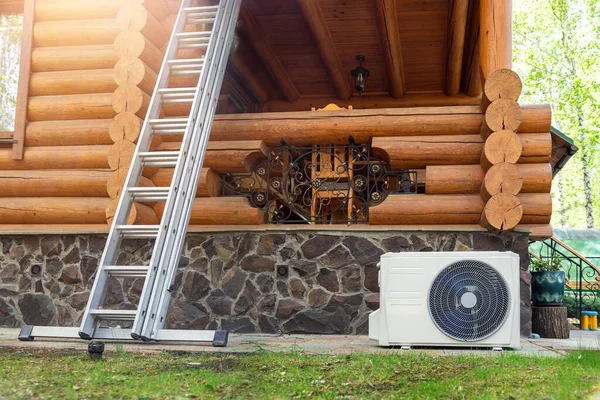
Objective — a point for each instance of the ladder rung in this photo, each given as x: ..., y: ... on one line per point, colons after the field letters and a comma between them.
x: 198, y: 9
x: 177, y: 95
x: 138, y: 231
x: 201, y: 15
x: 159, y: 158
x: 190, y: 66
x: 149, y: 194
x: 193, y: 40
x: 169, y: 126
x: 121, y: 271
x: 114, y: 315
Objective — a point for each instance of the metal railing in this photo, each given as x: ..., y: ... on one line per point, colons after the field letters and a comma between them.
x: 582, y: 276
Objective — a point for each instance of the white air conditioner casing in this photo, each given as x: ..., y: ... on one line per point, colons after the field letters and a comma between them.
x: 405, y: 317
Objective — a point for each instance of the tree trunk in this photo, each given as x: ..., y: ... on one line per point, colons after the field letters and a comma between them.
x: 550, y: 322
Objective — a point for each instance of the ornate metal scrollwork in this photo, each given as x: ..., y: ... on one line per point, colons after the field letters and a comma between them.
x: 319, y: 184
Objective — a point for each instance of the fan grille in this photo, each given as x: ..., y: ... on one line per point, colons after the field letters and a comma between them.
x: 469, y: 300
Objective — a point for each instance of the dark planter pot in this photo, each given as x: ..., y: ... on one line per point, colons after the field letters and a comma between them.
x: 547, y: 288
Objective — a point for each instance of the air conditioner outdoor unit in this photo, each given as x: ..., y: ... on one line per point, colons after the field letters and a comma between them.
x: 468, y: 299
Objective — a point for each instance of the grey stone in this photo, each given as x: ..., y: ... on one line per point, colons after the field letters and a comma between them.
x: 371, y: 281
x: 54, y: 266
x: 297, y: 288
x: 64, y: 317
x: 73, y: 256
x: 238, y: 325
x: 10, y: 273
x: 396, y: 243
x: 267, y: 303
x: 233, y: 282
x: 247, y: 245
x: 256, y: 263
x: 419, y: 244
x: 265, y: 283
x: 268, y: 324
x: 318, y: 321
x: 287, y: 307
x: 318, y: 297
x: 216, y: 271
x: 114, y: 293
x: 484, y: 241
x: 363, y: 250
x: 195, y: 286
x: 282, y: 288
x: 88, y: 267
x: 51, y: 246
x: 184, y: 315
x: 287, y: 253
x: 219, y: 303
x: 7, y: 315
x: 372, y: 301
x: 349, y: 303
x: 70, y: 275
x: 328, y: 279
x: 304, y: 267
x: 338, y: 257
x: 266, y: 246
x: 318, y: 245
x: 37, y: 309
x: 350, y: 279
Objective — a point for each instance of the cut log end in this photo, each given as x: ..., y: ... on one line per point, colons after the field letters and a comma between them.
x: 502, y: 146
x: 120, y: 155
x: 502, y: 213
x: 503, y: 84
x: 125, y: 126
x: 502, y: 114
x: 501, y: 178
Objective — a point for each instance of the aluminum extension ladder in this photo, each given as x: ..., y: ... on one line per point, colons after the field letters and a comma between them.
x: 149, y: 317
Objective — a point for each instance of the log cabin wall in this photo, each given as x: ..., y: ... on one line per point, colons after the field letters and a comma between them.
x: 94, y: 65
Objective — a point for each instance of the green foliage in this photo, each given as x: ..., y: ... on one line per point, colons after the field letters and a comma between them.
x: 268, y: 375
x: 10, y: 47
x: 555, y: 264
x: 557, y: 53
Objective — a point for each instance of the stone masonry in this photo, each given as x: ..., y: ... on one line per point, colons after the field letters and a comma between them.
x: 271, y: 282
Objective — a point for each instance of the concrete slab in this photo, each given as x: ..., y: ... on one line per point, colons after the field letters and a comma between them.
x: 309, y: 344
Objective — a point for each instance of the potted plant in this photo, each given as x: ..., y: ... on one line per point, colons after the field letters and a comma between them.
x: 547, y: 281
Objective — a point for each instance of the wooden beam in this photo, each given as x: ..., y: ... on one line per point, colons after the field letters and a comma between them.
x: 313, y: 14
x: 495, y: 44
x: 456, y: 43
x: 471, y: 71
x: 387, y: 22
x: 23, y: 88
x: 264, y: 50
x: 11, y: 6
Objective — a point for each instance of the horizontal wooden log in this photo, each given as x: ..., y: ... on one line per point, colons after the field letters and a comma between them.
x: 334, y: 127
x: 133, y: 71
x: 424, y: 209
x: 139, y: 214
x: 209, y: 184
x: 501, y: 213
x: 73, y: 58
x: 136, y: 16
x: 68, y: 133
x: 54, y: 183
x: 131, y: 99
x: 71, y: 107
x: 75, y: 33
x: 222, y: 211
x: 125, y: 126
x: 52, y: 10
x: 53, y: 210
x: 57, y: 157
x: 420, y: 151
x: 158, y: 8
x: 467, y: 179
x: 233, y: 156
x: 132, y: 43
x: 116, y: 181
x: 72, y: 82
x: 538, y: 231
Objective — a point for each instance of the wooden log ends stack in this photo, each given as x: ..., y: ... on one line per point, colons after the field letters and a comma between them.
x: 502, y: 149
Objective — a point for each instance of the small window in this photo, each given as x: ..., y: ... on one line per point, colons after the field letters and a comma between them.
x: 11, y: 28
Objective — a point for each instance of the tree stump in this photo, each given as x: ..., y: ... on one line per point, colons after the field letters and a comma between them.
x: 550, y: 322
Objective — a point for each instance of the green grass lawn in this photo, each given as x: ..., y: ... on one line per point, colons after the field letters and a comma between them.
x: 48, y: 374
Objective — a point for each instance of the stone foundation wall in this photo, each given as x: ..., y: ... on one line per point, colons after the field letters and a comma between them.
x: 301, y: 282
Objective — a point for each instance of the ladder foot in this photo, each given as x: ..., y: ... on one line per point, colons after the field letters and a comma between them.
x: 25, y: 334
x: 85, y: 336
x: 220, y: 339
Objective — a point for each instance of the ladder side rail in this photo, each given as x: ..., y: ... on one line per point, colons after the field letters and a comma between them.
x: 171, y: 213
x: 125, y: 202
x: 164, y: 295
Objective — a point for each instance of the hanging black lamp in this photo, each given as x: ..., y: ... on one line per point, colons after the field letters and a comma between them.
x: 360, y: 75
